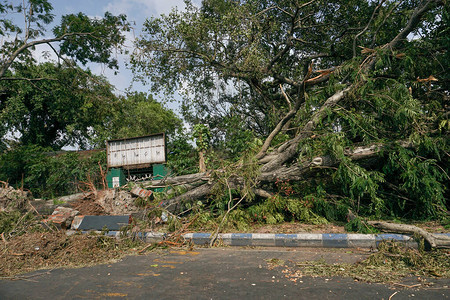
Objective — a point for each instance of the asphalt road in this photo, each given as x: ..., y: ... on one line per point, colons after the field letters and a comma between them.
x: 219, y: 273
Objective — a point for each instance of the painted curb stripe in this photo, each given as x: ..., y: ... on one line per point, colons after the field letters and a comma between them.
x: 327, y: 240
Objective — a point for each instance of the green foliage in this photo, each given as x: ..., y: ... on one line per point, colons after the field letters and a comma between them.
x: 357, y: 182
x: 17, y: 223
x: 8, y: 220
x: 73, y: 107
x: 92, y: 39
x: 173, y: 223
x: 331, y: 210
x: 182, y: 159
x: 421, y: 183
x: 279, y: 209
x: 63, y: 108
x: 236, y: 140
x: 137, y: 114
x: 80, y: 37
x: 358, y: 225
x: 202, y: 136
x: 242, y: 67
x: 50, y: 176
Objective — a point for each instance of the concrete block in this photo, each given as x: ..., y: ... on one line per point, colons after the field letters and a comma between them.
x: 241, y: 239
x: 201, y: 238
x: 286, y: 240
x: 404, y: 239
x: 226, y: 238
x: 154, y: 237
x: 263, y: 239
x: 361, y: 240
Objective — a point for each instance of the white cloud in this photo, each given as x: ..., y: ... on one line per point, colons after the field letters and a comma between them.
x: 141, y: 9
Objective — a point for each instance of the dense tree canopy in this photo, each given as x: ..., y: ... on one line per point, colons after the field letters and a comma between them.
x: 349, y: 98
x: 57, y: 104
x: 138, y: 114
x: 79, y: 37
x: 62, y: 106
x: 54, y: 105
x: 48, y: 106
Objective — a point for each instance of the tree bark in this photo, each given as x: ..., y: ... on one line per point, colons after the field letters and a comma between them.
x: 307, y: 130
x: 295, y: 172
x: 201, y: 161
x: 434, y: 240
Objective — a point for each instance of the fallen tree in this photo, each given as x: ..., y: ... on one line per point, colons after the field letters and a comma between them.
x: 319, y: 106
x: 435, y: 241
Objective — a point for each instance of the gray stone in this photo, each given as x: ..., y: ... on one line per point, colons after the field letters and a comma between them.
x: 101, y: 222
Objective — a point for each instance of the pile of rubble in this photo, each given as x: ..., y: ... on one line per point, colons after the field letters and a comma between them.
x: 108, y: 208
x: 113, y: 205
x: 11, y: 198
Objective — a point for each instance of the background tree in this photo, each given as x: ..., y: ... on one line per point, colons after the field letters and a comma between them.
x: 138, y: 114
x: 341, y: 92
x: 53, y: 105
x: 79, y: 37
x: 59, y: 106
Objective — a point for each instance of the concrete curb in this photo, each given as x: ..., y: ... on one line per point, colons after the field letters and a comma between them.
x: 315, y: 240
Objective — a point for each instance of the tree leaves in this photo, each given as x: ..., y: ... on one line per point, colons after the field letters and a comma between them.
x: 82, y: 38
x: 254, y: 61
x: 92, y: 40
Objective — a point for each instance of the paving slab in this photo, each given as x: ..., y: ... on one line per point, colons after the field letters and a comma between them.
x: 112, y: 223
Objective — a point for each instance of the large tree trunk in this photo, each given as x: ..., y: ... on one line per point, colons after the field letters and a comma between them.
x: 281, y: 163
x: 199, y: 185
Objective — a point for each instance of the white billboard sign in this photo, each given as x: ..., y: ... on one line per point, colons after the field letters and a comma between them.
x: 138, y: 152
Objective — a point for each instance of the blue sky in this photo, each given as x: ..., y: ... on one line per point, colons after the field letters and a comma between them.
x: 137, y: 12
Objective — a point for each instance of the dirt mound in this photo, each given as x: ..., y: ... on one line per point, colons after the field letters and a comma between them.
x: 88, y: 206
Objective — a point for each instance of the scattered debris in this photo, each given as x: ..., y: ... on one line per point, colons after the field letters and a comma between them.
x: 117, y: 202
x: 76, y: 222
x: 140, y: 192
x: 47, y: 250
x: 88, y: 206
x: 390, y: 264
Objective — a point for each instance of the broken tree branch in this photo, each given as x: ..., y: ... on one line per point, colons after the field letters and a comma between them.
x: 216, y: 233
x: 291, y: 150
x: 292, y: 112
x: 434, y: 240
